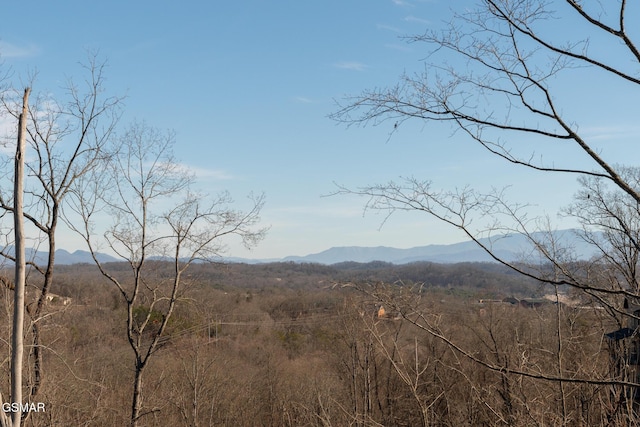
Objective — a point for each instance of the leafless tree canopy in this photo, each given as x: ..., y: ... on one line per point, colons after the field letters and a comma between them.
x: 153, y: 216
x: 495, y: 73
x: 124, y: 193
x: 500, y: 74
x: 64, y: 140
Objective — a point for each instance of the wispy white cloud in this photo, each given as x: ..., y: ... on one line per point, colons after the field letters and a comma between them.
x: 9, y: 124
x: 204, y: 173
x: 388, y: 28
x: 351, y: 65
x: 8, y: 129
x: 606, y: 133
x: 400, y: 47
x: 328, y: 211
x: 302, y: 100
x: 415, y: 19
x: 11, y: 50
x: 401, y: 3
x: 211, y: 174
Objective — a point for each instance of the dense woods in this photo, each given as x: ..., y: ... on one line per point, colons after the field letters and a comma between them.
x: 288, y: 344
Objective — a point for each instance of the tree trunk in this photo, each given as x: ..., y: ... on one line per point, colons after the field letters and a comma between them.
x: 136, y: 401
x: 17, y: 345
x: 42, y: 299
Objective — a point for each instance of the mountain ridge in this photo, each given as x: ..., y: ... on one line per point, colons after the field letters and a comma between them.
x: 511, y: 247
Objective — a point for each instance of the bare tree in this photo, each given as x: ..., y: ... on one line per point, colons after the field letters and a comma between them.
x: 64, y: 140
x: 154, y: 215
x: 17, y: 339
x: 410, y: 366
x: 503, y: 90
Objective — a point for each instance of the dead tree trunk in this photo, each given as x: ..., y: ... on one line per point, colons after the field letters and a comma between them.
x: 17, y: 346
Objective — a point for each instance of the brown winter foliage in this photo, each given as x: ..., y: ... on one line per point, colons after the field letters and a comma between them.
x: 302, y: 345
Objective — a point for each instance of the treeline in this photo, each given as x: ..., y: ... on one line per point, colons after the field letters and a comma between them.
x: 304, y: 345
x: 482, y: 278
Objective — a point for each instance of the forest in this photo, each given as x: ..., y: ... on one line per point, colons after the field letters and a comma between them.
x: 167, y: 336
x: 287, y: 344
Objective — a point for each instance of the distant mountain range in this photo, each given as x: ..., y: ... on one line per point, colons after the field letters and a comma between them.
x: 511, y: 247
x: 64, y: 257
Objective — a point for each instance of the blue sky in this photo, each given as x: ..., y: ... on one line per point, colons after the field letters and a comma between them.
x: 248, y: 85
